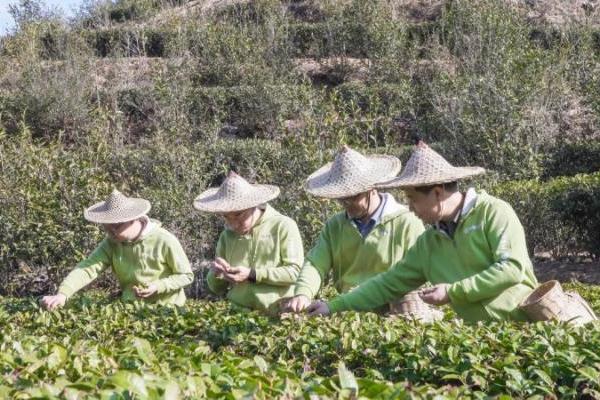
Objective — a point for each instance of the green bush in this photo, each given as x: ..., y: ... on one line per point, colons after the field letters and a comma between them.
x: 379, y: 99
x: 42, y: 189
x: 51, y: 102
x: 106, y: 13
x: 251, y: 111
x: 128, y: 42
x: 234, y: 54
x: 580, y: 206
x: 568, y: 159
x: 102, y: 349
x: 561, y: 216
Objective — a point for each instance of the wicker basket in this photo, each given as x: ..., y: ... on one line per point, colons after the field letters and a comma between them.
x: 411, y: 306
x: 549, y: 301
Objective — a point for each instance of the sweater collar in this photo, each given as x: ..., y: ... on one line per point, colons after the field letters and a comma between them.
x: 388, y: 209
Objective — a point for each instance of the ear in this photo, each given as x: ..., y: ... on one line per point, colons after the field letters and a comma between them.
x: 439, y: 192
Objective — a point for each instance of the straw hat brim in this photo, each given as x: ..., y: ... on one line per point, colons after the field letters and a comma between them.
x: 212, y: 201
x: 455, y: 174
x: 100, y: 214
x: 383, y: 168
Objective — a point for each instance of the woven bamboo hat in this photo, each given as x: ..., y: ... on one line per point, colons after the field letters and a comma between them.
x: 427, y: 167
x: 117, y: 208
x: 351, y: 173
x: 235, y: 194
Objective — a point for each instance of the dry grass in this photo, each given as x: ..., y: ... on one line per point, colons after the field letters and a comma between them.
x: 334, y: 69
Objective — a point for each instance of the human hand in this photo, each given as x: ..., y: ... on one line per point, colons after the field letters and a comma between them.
x: 237, y: 274
x: 145, y: 292
x: 296, y: 304
x: 54, y: 302
x: 219, y: 267
x: 436, y: 295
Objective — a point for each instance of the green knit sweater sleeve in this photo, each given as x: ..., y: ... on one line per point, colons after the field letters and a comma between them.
x: 181, y: 273
x: 87, y: 270
x: 216, y: 285
x: 506, y: 239
x: 316, y: 266
x: 401, y: 278
x: 291, y: 257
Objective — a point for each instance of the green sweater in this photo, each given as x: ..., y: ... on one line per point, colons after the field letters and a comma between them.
x: 273, y: 249
x: 155, y: 258
x: 352, y: 259
x: 486, y: 265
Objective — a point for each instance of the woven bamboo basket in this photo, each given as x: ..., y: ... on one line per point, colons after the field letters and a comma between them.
x: 549, y: 301
x: 411, y: 306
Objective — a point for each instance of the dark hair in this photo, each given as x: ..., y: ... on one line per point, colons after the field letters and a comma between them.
x: 451, y: 187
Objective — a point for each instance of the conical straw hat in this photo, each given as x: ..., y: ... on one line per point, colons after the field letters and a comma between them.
x: 351, y: 173
x: 235, y: 194
x: 427, y: 167
x: 116, y: 209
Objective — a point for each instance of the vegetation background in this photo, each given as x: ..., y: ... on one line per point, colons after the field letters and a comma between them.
x: 160, y: 98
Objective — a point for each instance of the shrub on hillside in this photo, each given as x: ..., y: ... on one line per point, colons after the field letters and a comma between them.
x: 560, y: 216
x: 129, y: 42
x: 248, y: 111
x: 568, y: 159
x: 50, y: 102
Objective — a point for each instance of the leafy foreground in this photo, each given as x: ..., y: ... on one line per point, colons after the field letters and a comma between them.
x: 95, y: 348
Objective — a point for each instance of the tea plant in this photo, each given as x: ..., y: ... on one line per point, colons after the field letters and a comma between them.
x: 99, y: 349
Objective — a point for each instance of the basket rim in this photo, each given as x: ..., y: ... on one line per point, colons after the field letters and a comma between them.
x: 541, y: 293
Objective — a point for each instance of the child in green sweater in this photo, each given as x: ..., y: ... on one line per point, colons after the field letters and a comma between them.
x: 148, y: 261
x: 474, y: 253
x: 259, y: 254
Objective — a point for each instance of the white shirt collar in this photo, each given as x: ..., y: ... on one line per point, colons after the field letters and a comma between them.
x: 469, y: 203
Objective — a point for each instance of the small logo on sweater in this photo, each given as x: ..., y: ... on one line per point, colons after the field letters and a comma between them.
x: 504, y: 247
x: 472, y: 228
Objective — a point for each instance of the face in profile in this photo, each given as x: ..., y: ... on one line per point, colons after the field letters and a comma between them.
x: 426, y: 206
x: 356, y: 206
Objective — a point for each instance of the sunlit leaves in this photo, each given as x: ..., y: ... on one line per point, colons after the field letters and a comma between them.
x: 123, y: 351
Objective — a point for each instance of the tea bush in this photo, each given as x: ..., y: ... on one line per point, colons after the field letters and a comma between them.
x: 568, y: 159
x: 210, y: 349
x: 560, y: 215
